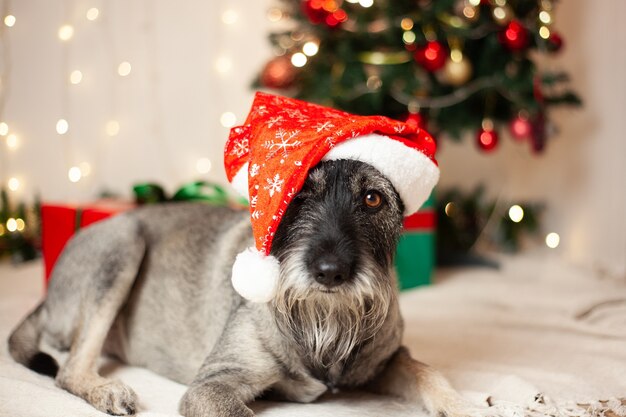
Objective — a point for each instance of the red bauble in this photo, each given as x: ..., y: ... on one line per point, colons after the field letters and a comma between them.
x: 514, y: 36
x: 431, y: 56
x: 278, y: 73
x: 520, y: 128
x: 324, y: 11
x: 487, y: 139
x: 555, y: 42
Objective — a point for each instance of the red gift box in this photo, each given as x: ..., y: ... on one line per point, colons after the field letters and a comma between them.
x: 59, y: 222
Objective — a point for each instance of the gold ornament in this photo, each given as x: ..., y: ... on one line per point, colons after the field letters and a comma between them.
x: 502, y: 14
x: 457, y: 70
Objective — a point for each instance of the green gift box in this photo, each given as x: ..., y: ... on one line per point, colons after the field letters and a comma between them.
x: 415, y: 257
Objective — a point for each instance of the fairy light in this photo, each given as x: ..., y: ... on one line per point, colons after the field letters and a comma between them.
x: 407, y: 23
x: 12, y: 141
x: 9, y: 20
x: 544, y: 32
x: 475, y: 2
x: 66, y: 32
x: 552, y: 240
x: 112, y: 128
x: 230, y: 17
x: 11, y: 224
x: 92, y: 14
x: 366, y: 3
x: 13, y: 184
x: 223, y: 64
x: 298, y: 59
x: 4, y: 129
x: 62, y: 126
x: 408, y: 37
x: 545, y: 17
x: 20, y: 224
x: 74, y: 174
x: 76, y: 77
x: 228, y: 119
x: 516, y: 213
x: 274, y: 14
x: 310, y: 48
x: 203, y: 165
x: 1, y: 229
x: 124, y: 68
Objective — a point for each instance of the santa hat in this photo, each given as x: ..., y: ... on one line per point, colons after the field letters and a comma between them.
x: 268, y: 158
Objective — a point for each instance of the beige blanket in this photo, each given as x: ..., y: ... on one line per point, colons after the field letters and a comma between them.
x: 534, y: 338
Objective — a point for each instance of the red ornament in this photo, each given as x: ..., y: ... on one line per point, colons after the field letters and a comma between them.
x: 431, y: 56
x: 324, y: 11
x: 487, y: 139
x: 555, y: 42
x: 514, y: 36
x: 278, y: 73
x: 520, y: 128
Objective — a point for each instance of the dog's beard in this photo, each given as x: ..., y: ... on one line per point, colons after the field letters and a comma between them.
x: 328, y: 324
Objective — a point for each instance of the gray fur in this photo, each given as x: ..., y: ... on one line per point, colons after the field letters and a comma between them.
x: 152, y: 287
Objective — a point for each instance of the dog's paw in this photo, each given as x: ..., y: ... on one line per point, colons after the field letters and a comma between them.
x: 113, y: 397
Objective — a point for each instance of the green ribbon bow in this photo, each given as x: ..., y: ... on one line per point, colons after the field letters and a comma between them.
x: 149, y: 193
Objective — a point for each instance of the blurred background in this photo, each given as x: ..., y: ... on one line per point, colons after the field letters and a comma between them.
x: 526, y: 100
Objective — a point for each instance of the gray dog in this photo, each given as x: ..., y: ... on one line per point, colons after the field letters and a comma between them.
x: 152, y: 288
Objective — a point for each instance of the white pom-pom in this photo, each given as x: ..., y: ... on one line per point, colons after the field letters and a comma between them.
x: 255, y: 275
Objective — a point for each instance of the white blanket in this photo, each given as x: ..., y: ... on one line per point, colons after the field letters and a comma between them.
x: 533, y: 336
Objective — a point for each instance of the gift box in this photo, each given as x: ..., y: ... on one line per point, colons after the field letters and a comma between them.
x: 59, y: 222
x: 415, y: 257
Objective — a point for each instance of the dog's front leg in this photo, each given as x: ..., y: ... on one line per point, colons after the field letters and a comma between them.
x: 412, y: 380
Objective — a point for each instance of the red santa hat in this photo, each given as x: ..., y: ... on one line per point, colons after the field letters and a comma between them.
x: 268, y: 158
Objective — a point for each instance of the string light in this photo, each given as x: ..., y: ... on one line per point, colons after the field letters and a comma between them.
x: 1, y: 229
x: 553, y: 240
x: 203, y: 165
x: 310, y: 48
x: 228, y: 119
x: 66, y: 32
x: 274, y: 14
x: 11, y: 224
x: 20, y: 224
x: 223, y: 64
x: 76, y: 77
x: 4, y: 129
x: 62, y: 126
x: 516, y: 213
x: 544, y: 32
x: 298, y: 59
x: 74, y: 174
x: 13, y: 184
x: 366, y: 3
x: 545, y: 17
x: 112, y: 128
x: 230, y: 17
x: 9, y: 20
x: 124, y: 68
x: 92, y: 14
x: 450, y: 209
x: 474, y: 2
x: 12, y: 141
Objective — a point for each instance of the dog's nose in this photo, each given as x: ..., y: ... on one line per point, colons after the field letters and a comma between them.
x: 328, y: 270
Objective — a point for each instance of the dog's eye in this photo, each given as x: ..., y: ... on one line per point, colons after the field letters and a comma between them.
x: 373, y: 199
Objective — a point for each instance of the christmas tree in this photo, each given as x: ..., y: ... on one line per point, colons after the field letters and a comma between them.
x: 452, y: 66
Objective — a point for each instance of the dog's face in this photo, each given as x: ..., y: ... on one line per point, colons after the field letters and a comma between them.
x: 335, y: 245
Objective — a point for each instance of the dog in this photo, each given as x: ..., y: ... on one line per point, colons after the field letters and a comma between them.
x: 152, y: 288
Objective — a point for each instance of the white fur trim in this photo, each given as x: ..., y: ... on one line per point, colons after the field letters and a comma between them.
x: 255, y: 275
x: 240, y: 181
x: 411, y: 172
